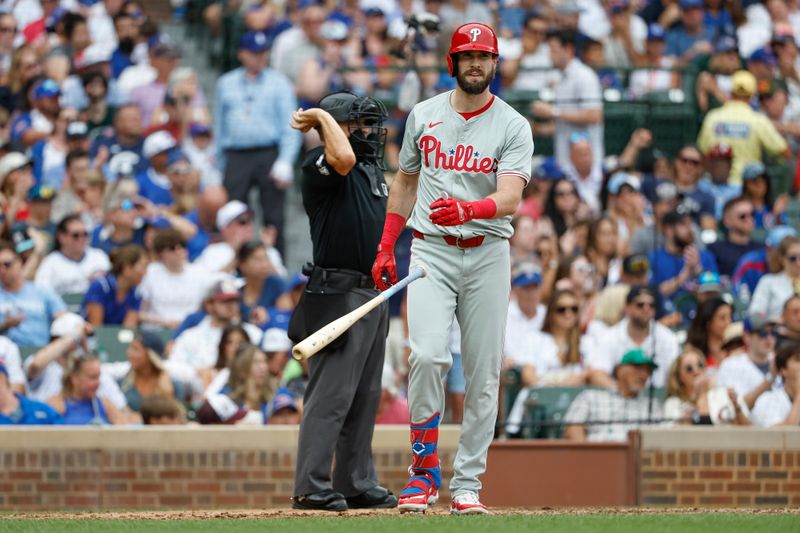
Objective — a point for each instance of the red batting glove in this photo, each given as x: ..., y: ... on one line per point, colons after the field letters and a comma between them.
x: 453, y: 212
x: 384, y: 269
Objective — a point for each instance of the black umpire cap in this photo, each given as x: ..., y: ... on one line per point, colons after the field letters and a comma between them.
x: 338, y: 105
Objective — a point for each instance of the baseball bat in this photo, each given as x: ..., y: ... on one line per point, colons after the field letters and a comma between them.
x: 331, y: 331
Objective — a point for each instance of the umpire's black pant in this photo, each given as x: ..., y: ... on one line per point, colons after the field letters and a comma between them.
x: 340, y: 406
x: 250, y: 167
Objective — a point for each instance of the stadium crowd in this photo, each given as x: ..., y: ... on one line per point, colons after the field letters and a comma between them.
x: 656, y: 287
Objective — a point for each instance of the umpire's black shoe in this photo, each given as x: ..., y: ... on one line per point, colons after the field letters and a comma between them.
x: 375, y: 498
x: 326, y: 500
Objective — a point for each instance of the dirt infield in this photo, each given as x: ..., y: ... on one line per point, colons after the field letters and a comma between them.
x: 356, y: 513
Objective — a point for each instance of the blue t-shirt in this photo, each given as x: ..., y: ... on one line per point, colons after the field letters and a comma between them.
x: 39, y: 305
x: 129, y: 152
x: 748, y: 272
x: 19, y: 126
x: 698, y: 203
x: 155, y: 187
x: 664, y: 266
x: 274, y: 287
x: 679, y: 41
x: 103, y: 291
x: 198, y: 243
x: 119, y: 62
x: 31, y: 412
x: 101, y: 238
x: 278, y: 318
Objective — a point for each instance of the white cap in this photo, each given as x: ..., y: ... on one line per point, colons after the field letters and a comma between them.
x: 276, y: 340
x: 67, y: 324
x: 230, y: 212
x: 158, y: 142
x: 94, y: 54
x: 11, y: 162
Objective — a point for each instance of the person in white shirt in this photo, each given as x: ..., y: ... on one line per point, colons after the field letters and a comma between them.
x: 774, y: 289
x: 750, y: 374
x: 637, y: 330
x: 198, y: 347
x: 525, y: 314
x: 45, y: 369
x: 584, y: 171
x: 9, y: 356
x: 781, y: 406
x: 528, y: 71
x: 73, y: 264
x: 172, y: 288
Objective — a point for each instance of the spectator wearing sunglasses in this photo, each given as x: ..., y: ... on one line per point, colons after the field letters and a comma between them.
x: 121, y: 226
x: 73, y: 264
x: 692, y: 199
x: 774, y: 289
x: 172, y: 287
x: 692, y: 399
x: 737, y: 219
x: 638, y: 329
x: 788, y: 330
x: 751, y: 374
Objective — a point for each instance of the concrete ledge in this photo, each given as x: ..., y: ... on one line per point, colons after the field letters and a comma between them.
x: 163, y: 438
x: 719, y: 438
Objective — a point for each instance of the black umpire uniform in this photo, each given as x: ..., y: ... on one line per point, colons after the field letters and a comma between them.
x: 346, y: 215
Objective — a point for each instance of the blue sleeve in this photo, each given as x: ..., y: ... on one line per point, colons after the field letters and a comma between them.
x: 37, y: 156
x: 94, y: 295
x: 53, y: 416
x: 672, y: 45
x: 291, y: 139
x: 190, y: 321
x: 19, y: 126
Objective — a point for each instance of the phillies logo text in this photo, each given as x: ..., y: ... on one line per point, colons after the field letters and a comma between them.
x: 462, y: 158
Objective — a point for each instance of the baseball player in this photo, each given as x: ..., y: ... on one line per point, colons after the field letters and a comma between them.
x: 466, y: 157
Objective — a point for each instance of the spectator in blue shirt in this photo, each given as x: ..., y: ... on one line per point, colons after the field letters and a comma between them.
x: 122, y: 145
x: 204, y: 217
x: 755, y: 264
x: 674, y: 268
x: 121, y: 226
x: 737, y: 219
x: 16, y: 409
x: 127, y: 32
x: 113, y: 299
x: 36, y: 125
x: 263, y: 287
x: 26, y: 310
x: 254, y: 143
x: 698, y: 203
x: 691, y: 38
x: 153, y: 182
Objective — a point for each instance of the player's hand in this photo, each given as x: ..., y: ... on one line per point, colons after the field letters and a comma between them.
x: 451, y: 212
x: 384, y: 269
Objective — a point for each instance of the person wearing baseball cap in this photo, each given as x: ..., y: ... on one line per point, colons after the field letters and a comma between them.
x: 37, y: 124
x: 664, y: 198
x: 692, y: 37
x: 526, y: 311
x: 255, y: 144
x: 609, y: 307
x: 753, y: 265
x: 153, y: 182
x: 199, y: 148
x: 235, y: 225
x: 747, y: 132
x: 738, y: 221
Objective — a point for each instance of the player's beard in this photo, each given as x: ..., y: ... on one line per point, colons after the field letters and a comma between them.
x: 475, y: 87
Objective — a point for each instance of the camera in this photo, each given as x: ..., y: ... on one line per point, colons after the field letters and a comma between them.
x: 425, y: 23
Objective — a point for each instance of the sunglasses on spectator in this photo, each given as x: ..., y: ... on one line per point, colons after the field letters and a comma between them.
x: 691, y: 368
x: 563, y: 309
x: 126, y: 205
x: 177, y: 246
x: 645, y: 305
x: 76, y: 235
x: 8, y: 29
x: 745, y: 216
x: 793, y: 258
x: 766, y: 332
x: 690, y: 161
x: 564, y: 192
x: 7, y: 264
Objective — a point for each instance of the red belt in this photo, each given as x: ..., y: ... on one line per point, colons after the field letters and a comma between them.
x: 472, y: 242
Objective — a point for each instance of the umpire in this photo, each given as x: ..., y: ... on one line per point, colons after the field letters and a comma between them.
x: 344, y: 194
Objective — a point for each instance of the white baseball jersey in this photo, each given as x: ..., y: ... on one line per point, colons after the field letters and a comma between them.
x: 463, y: 158
x: 740, y: 373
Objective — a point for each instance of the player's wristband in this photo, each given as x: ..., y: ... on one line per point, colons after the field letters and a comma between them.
x: 391, y: 230
x: 485, y: 208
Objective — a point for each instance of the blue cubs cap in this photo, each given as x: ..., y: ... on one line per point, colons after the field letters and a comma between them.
x: 752, y: 170
x: 283, y: 400
x: 254, y: 41
x: 621, y: 179
x: 763, y: 55
x: 757, y: 322
x: 46, y: 88
x: 725, y: 44
x: 619, y: 6
x: 777, y: 234
x: 176, y: 156
x: 41, y: 193
x: 197, y: 129
x: 691, y: 4
x: 709, y: 282
x: 655, y: 32
x: 549, y: 170
x: 526, y: 275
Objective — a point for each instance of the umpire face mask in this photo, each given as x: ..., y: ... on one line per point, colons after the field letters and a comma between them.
x: 367, y: 134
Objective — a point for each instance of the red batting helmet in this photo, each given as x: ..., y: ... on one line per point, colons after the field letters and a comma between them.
x: 471, y: 36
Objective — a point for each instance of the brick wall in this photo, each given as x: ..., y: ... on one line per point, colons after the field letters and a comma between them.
x: 719, y: 467
x: 114, y: 478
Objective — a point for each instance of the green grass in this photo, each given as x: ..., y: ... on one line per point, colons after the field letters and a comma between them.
x: 617, y: 523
